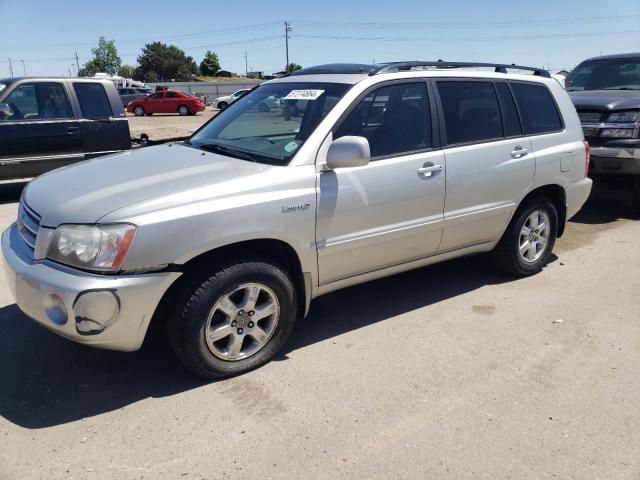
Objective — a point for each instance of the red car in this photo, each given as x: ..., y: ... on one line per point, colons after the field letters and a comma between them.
x: 167, y: 101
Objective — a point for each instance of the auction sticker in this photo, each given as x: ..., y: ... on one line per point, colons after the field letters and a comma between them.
x: 290, y: 147
x: 303, y: 94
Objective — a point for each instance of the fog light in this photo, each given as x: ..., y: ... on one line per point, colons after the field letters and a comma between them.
x: 617, y: 132
x: 55, y: 309
x: 95, y: 311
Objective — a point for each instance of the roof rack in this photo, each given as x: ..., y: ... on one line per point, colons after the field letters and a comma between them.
x: 499, y: 67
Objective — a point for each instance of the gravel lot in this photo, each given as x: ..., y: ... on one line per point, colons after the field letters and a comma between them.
x: 168, y: 126
x: 451, y: 371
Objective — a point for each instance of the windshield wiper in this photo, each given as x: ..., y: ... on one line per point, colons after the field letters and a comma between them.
x: 620, y: 88
x: 229, y: 152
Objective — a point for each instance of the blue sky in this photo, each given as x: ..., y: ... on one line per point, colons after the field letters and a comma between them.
x: 555, y: 33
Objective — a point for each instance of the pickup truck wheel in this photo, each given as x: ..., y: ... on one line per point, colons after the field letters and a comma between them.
x: 138, y: 111
x: 183, y: 110
x: 526, y: 246
x: 234, y: 320
x: 636, y: 192
x: 222, y: 105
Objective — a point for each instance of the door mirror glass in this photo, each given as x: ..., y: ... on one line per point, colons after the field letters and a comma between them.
x: 348, y: 152
x: 5, y: 111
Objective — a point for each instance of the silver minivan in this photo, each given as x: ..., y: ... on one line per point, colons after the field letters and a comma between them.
x: 364, y: 171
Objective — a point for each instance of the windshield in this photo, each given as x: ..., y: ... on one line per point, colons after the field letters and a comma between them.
x: 611, y: 74
x: 271, y: 123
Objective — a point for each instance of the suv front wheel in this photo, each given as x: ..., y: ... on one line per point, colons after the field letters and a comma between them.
x: 234, y: 320
x: 526, y: 246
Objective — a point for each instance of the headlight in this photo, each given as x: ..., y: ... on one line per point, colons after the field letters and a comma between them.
x: 617, y: 132
x: 628, y: 116
x: 93, y: 247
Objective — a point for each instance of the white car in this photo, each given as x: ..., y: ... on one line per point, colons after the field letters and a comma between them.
x: 264, y: 106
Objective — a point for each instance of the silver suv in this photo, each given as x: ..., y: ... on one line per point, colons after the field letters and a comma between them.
x: 364, y: 171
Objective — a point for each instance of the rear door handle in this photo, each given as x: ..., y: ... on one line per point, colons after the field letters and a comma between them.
x: 519, y: 152
x: 429, y: 170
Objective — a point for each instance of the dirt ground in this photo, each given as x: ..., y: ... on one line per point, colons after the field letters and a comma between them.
x: 161, y: 126
x: 452, y: 371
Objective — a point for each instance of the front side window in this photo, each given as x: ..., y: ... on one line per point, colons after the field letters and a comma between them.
x: 269, y: 135
x: 395, y: 119
x: 93, y: 100
x: 608, y: 74
x: 537, y: 109
x: 155, y: 96
x: 38, y: 101
x: 471, y: 111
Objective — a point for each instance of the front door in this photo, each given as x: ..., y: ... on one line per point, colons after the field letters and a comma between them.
x: 389, y: 211
x: 41, y: 133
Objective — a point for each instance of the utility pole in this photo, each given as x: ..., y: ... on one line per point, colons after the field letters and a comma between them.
x: 287, y: 30
x: 77, y: 63
x: 10, y: 68
x: 246, y: 62
x: 24, y: 69
x: 69, y: 70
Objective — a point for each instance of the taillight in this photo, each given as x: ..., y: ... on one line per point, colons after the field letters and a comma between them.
x: 587, y: 157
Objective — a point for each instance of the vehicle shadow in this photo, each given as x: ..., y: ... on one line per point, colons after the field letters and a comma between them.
x: 46, y: 380
x: 606, y: 204
x: 10, y: 191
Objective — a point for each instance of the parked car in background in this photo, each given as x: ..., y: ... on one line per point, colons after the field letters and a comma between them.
x: 46, y: 123
x: 606, y: 93
x: 223, y: 102
x: 227, y: 238
x: 128, y: 94
x: 166, y: 101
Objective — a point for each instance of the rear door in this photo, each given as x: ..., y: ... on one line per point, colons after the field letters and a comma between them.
x: 41, y: 134
x: 489, y: 160
x: 103, y: 130
x: 170, y: 102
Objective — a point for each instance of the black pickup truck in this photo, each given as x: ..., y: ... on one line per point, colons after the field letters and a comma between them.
x: 606, y: 93
x: 46, y: 123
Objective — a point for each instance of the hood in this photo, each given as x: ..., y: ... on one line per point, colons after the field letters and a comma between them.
x: 86, y: 192
x: 602, y: 100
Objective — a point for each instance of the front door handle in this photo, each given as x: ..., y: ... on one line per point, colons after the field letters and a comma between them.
x: 429, y: 170
x: 519, y: 152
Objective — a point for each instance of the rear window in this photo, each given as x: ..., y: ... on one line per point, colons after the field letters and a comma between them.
x: 93, y: 100
x: 471, y: 111
x: 537, y: 109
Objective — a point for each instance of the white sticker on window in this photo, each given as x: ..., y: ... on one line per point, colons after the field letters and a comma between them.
x: 303, y: 94
x: 290, y: 147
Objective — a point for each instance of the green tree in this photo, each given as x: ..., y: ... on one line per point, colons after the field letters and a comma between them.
x: 292, y: 67
x: 210, y: 64
x: 127, y: 71
x: 161, y: 62
x: 105, y: 59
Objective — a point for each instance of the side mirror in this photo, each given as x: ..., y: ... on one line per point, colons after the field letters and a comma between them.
x: 348, y: 152
x: 6, y: 110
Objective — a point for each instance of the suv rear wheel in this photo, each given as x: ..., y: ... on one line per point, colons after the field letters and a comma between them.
x: 526, y: 246
x: 234, y: 320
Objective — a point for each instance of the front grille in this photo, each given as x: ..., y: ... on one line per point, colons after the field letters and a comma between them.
x: 589, y: 131
x: 586, y: 116
x: 28, y: 225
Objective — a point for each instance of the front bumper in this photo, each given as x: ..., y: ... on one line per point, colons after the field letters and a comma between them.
x: 104, y: 311
x: 615, y: 160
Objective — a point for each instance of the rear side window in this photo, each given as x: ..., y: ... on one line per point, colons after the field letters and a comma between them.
x: 172, y: 95
x: 471, y: 111
x: 93, y: 100
x: 395, y: 119
x: 510, y: 119
x: 537, y: 109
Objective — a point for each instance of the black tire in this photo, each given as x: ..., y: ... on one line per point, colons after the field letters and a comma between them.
x: 187, y: 323
x: 138, y: 111
x: 222, y: 105
x: 263, y: 107
x: 506, y: 255
x: 636, y: 192
x: 183, y: 110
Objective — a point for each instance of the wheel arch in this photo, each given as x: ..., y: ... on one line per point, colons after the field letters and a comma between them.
x: 556, y: 193
x: 279, y: 251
